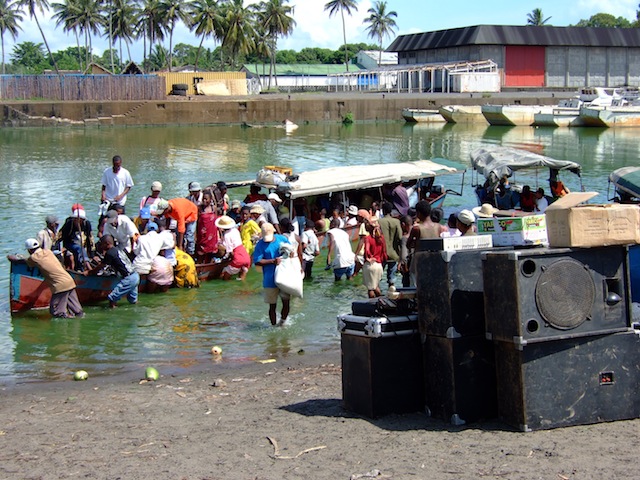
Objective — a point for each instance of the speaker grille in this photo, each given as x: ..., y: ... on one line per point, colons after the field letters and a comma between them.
x: 565, y: 294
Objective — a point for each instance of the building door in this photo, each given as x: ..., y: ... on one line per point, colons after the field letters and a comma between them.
x: 524, y: 66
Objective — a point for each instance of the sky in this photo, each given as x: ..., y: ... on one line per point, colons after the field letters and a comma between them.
x: 314, y: 27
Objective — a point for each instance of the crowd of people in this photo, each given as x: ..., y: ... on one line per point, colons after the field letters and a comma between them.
x: 167, y: 238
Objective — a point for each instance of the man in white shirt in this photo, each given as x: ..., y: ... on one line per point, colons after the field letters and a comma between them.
x: 122, y: 229
x: 541, y: 201
x: 116, y: 183
x: 344, y: 261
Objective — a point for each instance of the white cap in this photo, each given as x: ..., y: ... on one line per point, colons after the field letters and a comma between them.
x: 31, y: 243
x: 274, y: 196
x: 466, y: 217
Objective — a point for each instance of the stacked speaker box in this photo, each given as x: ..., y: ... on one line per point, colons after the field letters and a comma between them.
x: 459, y: 365
x: 560, y: 323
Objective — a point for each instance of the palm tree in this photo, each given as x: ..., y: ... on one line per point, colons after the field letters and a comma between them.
x: 122, y: 21
x: 238, y: 36
x: 206, y: 21
x: 381, y: 23
x: 536, y: 18
x: 66, y: 14
x: 31, y: 6
x: 90, y: 19
x: 149, y: 25
x: 9, y: 18
x: 343, y: 6
x: 172, y: 11
x: 276, y: 17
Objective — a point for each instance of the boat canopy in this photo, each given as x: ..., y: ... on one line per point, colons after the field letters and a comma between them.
x: 356, y: 177
x: 627, y: 180
x: 494, y: 162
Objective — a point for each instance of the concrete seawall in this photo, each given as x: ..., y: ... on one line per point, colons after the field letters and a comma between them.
x: 300, y: 108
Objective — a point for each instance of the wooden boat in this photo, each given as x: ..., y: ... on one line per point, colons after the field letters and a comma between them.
x: 417, y: 115
x: 29, y: 292
x: 626, y: 182
x: 462, y: 113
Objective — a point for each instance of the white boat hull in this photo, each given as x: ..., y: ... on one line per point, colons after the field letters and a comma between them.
x: 559, y: 117
x: 628, y: 116
x: 416, y: 115
x: 462, y: 113
x: 512, y: 115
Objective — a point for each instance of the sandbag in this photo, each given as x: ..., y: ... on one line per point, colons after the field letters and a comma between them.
x: 289, y: 276
x: 270, y: 177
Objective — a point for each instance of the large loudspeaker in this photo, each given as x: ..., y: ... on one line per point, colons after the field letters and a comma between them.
x: 382, y: 375
x: 460, y: 378
x: 544, y: 294
x: 569, y: 382
x: 449, y: 286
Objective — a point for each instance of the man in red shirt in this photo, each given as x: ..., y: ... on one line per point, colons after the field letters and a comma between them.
x: 185, y: 213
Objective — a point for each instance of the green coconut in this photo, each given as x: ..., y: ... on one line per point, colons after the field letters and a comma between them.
x: 80, y: 375
x: 151, y: 374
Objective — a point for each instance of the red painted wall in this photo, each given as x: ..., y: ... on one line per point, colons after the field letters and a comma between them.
x: 524, y: 66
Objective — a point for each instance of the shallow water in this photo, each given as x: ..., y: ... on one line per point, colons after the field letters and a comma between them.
x: 45, y: 171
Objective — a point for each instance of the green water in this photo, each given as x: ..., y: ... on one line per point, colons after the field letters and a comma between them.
x: 45, y: 171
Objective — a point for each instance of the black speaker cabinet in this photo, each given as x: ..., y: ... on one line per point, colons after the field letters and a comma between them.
x: 543, y: 294
x: 460, y: 378
x: 449, y: 287
x: 382, y: 375
x: 569, y: 382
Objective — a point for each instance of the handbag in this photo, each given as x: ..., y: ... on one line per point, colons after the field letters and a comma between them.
x: 288, y: 276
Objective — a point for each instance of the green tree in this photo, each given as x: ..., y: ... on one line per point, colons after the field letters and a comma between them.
x: 277, y: 20
x: 173, y: 11
x: 381, y: 23
x: 335, y: 6
x: 123, y: 16
x: 238, y: 30
x: 536, y: 18
x: 89, y: 21
x: 31, y: 7
x: 66, y: 14
x: 149, y: 26
x: 9, y: 18
x: 206, y: 22
x: 158, y: 58
x: 29, y: 57
x: 604, y: 20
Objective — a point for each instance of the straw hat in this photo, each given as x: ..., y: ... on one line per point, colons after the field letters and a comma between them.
x: 268, y: 231
x: 485, y: 211
x: 225, y: 222
x: 257, y: 209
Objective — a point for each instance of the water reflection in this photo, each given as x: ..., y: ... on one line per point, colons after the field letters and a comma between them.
x: 46, y: 170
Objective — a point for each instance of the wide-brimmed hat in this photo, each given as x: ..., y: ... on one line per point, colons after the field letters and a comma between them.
x: 236, y: 204
x: 466, y: 217
x: 268, y: 231
x: 156, y: 187
x: 257, y: 209
x: 225, y: 222
x: 274, y: 196
x: 485, y: 211
x: 31, y: 243
x: 352, y: 210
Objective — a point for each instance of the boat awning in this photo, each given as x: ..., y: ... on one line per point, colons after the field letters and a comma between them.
x: 627, y: 179
x: 356, y: 177
x: 498, y: 161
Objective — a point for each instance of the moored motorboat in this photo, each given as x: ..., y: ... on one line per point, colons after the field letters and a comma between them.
x: 417, y: 115
x: 462, y: 113
x: 611, y: 116
x: 626, y: 181
x: 513, y: 115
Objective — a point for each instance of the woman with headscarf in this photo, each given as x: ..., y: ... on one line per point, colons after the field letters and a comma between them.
x: 206, y: 231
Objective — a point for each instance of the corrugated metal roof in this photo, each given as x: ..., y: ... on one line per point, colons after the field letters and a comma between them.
x: 518, y: 35
x: 300, y: 69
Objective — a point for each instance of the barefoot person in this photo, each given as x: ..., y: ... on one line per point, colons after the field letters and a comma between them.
x: 267, y: 255
x: 118, y: 260
x: 64, y: 299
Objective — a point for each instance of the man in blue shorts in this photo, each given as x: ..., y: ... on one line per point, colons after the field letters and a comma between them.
x: 267, y: 255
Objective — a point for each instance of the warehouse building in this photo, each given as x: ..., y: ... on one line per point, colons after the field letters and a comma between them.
x: 530, y: 56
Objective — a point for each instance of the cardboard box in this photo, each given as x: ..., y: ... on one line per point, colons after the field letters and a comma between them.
x: 517, y: 230
x: 469, y: 242
x: 571, y: 224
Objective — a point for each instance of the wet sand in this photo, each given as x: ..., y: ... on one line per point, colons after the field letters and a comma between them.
x: 281, y: 420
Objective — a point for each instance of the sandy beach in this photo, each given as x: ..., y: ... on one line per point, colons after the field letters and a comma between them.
x: 273, y: 421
